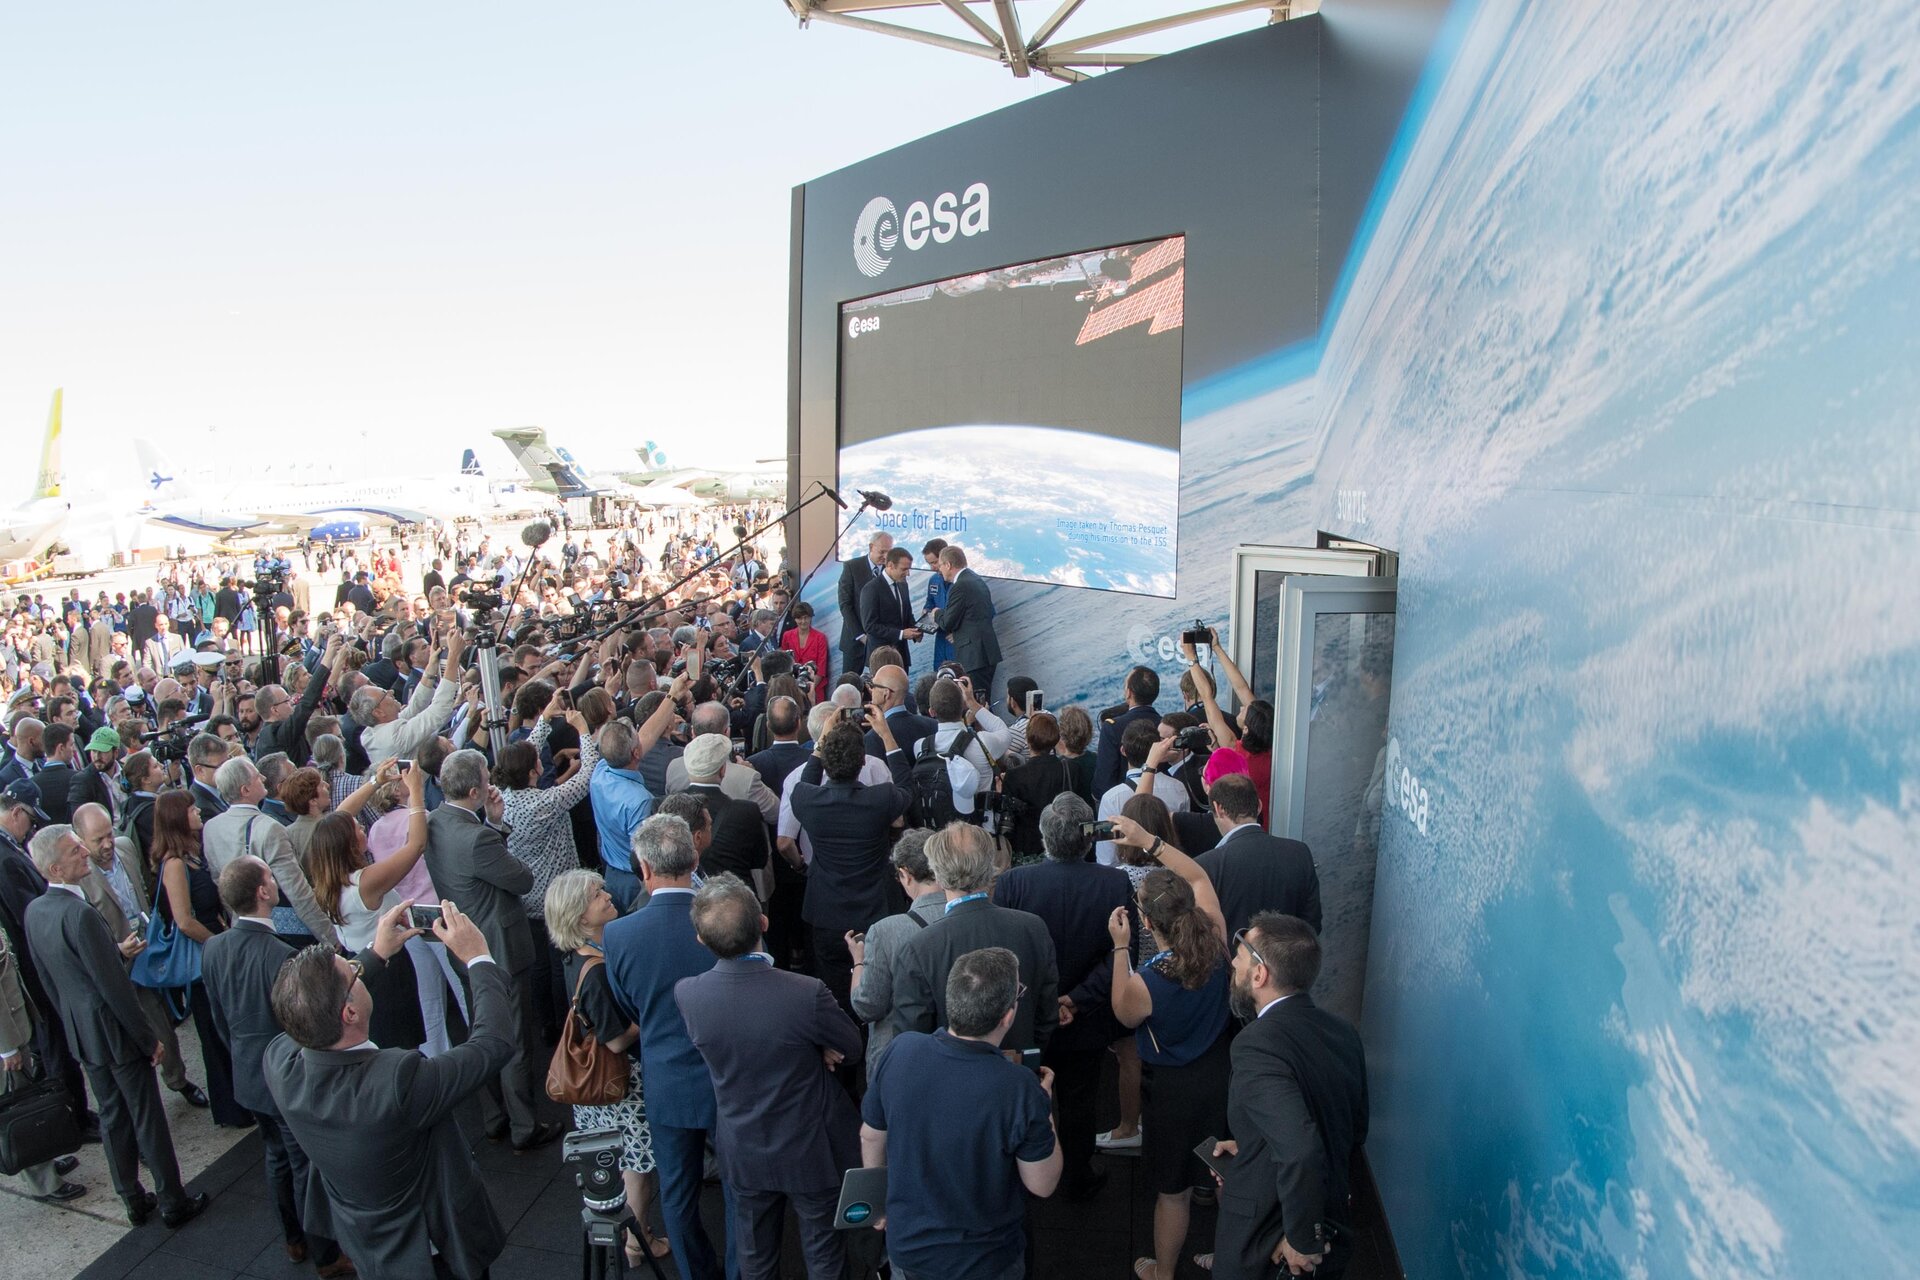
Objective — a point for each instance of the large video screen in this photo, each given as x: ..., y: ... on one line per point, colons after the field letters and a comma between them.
x: 1030, y: 414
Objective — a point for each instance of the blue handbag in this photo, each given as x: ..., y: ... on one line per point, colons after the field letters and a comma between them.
x: 171, y: 959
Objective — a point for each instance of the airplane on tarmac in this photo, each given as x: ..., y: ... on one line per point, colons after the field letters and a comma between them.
x: 35, y: 524
x: 333, y: 508
x: 763, y: 480
x: 551, y: 469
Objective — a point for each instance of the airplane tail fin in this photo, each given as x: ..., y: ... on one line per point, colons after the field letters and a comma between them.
x: 153, y: 463
x: 470, y: 464
x: 652, y: 455
x: 549, y: 472
x: 50, y: 481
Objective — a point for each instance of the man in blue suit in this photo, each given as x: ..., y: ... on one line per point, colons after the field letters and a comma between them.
x: 1143, y: 688
x: 786, y: 1129
x: 647, y: 953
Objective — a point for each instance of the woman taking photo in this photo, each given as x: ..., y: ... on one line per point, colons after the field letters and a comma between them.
x: 1150, y: 813
x: 1178, y: 1001
x: 188, y: 896
x: 578, y: 909
x: 355, y: 891
x: 1246, y: 748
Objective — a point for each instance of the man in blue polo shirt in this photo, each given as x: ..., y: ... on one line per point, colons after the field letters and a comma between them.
x: 956, y: 1171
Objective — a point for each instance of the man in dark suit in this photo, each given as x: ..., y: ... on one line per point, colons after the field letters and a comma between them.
x: 784, y: 1129
x: 967, y: 620
x: 205, y: 754
x: 962, y: 859
x: 786, y: 753
x: 393, y: 1177
x: 94, y: 783
x: 889, y: 696
x: 21, y: 883
x: 1074, y: 897
x: 468, y: 860
x: 1251, y: 870
x: 360, y: 595
x: 855, y: 574
x: 104, y: 1023
x: 55, y: 778
x: 886, y: 607
x: 1109, y: 768
x: 648, y: 953
x: 140, y: 621
x: 239, y: 968
x: 1297, y: 1107
x: 850, y: 827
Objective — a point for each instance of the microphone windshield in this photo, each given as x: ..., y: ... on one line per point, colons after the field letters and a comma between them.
x: 537, y: 533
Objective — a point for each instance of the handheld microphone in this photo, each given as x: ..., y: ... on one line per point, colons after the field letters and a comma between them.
x: 875, y: 499
x: 835, y: 495
x: 537, y: 533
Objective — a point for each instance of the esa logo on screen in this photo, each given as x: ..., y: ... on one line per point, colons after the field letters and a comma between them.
x: 880, y: 230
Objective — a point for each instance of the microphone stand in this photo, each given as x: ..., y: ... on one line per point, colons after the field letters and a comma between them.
x: 633, y: 615
x: 833, y: 549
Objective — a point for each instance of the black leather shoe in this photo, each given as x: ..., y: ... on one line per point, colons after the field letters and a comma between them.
x: 194, y: 1094
x: 540, y: 1137
x: 66, y: 1165
x: 61, y: 1194
x: 138, y: 1211
x: 193, y: 1208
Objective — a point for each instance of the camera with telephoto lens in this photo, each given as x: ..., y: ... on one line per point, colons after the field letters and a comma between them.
x: 594, y: 1157
x: 1195, y: 737
x: 1198, y: 633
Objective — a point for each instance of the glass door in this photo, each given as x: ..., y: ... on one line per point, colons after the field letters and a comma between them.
x: 1332, y: 692
x: 1253, y: 618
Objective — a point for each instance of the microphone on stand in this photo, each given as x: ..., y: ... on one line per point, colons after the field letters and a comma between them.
x: 835, y: 495
x: 875, y: 499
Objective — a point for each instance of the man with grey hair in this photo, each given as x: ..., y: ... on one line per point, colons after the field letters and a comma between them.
x: 648, y: 954
x: 962, y: 859
x: 108, y: 1030
x: 784, y: 1129
x: 468, y: 862
x: 1074, y: 898
x: 387, y: 729
x: 940, y: 1173
x: 243, y: 828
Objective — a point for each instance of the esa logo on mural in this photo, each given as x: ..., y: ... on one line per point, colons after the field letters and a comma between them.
x: 1404, y: 791
x: 880, y: 230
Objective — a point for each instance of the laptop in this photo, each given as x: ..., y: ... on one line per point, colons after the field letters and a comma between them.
x: 863, y: 1198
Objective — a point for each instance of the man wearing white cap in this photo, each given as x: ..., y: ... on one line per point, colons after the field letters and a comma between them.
x: 739, y: 842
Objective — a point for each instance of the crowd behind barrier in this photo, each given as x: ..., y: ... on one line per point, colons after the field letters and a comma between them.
x: 719, y: 885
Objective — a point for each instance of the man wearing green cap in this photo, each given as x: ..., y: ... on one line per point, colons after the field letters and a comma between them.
x: 97, y: 784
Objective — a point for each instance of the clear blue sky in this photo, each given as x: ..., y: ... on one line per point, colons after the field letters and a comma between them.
x: 356, y: 231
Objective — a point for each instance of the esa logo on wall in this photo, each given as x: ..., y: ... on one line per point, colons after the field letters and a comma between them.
x: 880, y: 230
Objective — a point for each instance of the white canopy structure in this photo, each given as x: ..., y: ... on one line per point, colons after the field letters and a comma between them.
x: 993, y: 29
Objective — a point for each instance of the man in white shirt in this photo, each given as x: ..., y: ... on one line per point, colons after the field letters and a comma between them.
x: 392, y: 730
x: 958, y: 716
x: 1141, y: 749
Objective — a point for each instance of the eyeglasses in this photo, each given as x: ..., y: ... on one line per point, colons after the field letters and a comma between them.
x: 1240, y: 940
x: 359, y: 972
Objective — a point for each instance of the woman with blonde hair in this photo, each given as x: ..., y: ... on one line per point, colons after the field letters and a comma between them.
x: 578, y: 909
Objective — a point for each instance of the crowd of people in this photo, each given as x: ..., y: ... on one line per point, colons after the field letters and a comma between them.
x: 804, y: 916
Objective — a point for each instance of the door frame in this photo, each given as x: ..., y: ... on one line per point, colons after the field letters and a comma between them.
x: 1250, y: 559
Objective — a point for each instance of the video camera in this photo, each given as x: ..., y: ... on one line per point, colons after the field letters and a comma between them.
x: 270, y: 578
x: 594, y: 1157
x: 169, y: 745
x: 484, y: 597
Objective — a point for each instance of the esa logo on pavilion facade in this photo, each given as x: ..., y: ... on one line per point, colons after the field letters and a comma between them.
x: 880, y: 230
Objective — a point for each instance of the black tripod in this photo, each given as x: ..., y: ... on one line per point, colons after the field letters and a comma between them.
x: 603, y: 1255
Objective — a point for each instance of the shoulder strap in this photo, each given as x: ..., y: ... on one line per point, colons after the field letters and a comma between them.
x: 917, y: 921
x: 959, y: 744
x: 581, y: 977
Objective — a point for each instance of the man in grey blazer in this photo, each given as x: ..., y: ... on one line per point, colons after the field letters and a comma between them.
x: 239, y: 968
x: 107, y: 1030
x: 245, y: 829
x: 468, y: 860
x: 396, y: 1183
x: 785, y: 1129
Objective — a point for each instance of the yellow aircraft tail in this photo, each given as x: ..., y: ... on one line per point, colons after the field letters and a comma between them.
x: 48, y: 486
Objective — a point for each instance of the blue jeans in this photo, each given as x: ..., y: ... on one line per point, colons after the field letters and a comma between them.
x: 680, y: 1156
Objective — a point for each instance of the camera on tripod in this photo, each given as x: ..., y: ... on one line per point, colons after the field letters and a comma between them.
x: 594, y: 1157
x: 270, y: 578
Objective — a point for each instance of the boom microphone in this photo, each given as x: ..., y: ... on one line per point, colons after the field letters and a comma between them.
x: 537, y: 533
x: 875, y: 499
x: 835, y: 495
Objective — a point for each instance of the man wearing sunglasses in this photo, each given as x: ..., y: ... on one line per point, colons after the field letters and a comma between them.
x: 1297, y: 1107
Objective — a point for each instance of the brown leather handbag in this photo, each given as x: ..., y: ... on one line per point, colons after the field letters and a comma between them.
x: 584, y: 1072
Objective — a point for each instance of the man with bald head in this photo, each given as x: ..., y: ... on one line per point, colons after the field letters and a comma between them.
x: 283, y: 722
x: 889, y: 693
x: 23, y: 750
